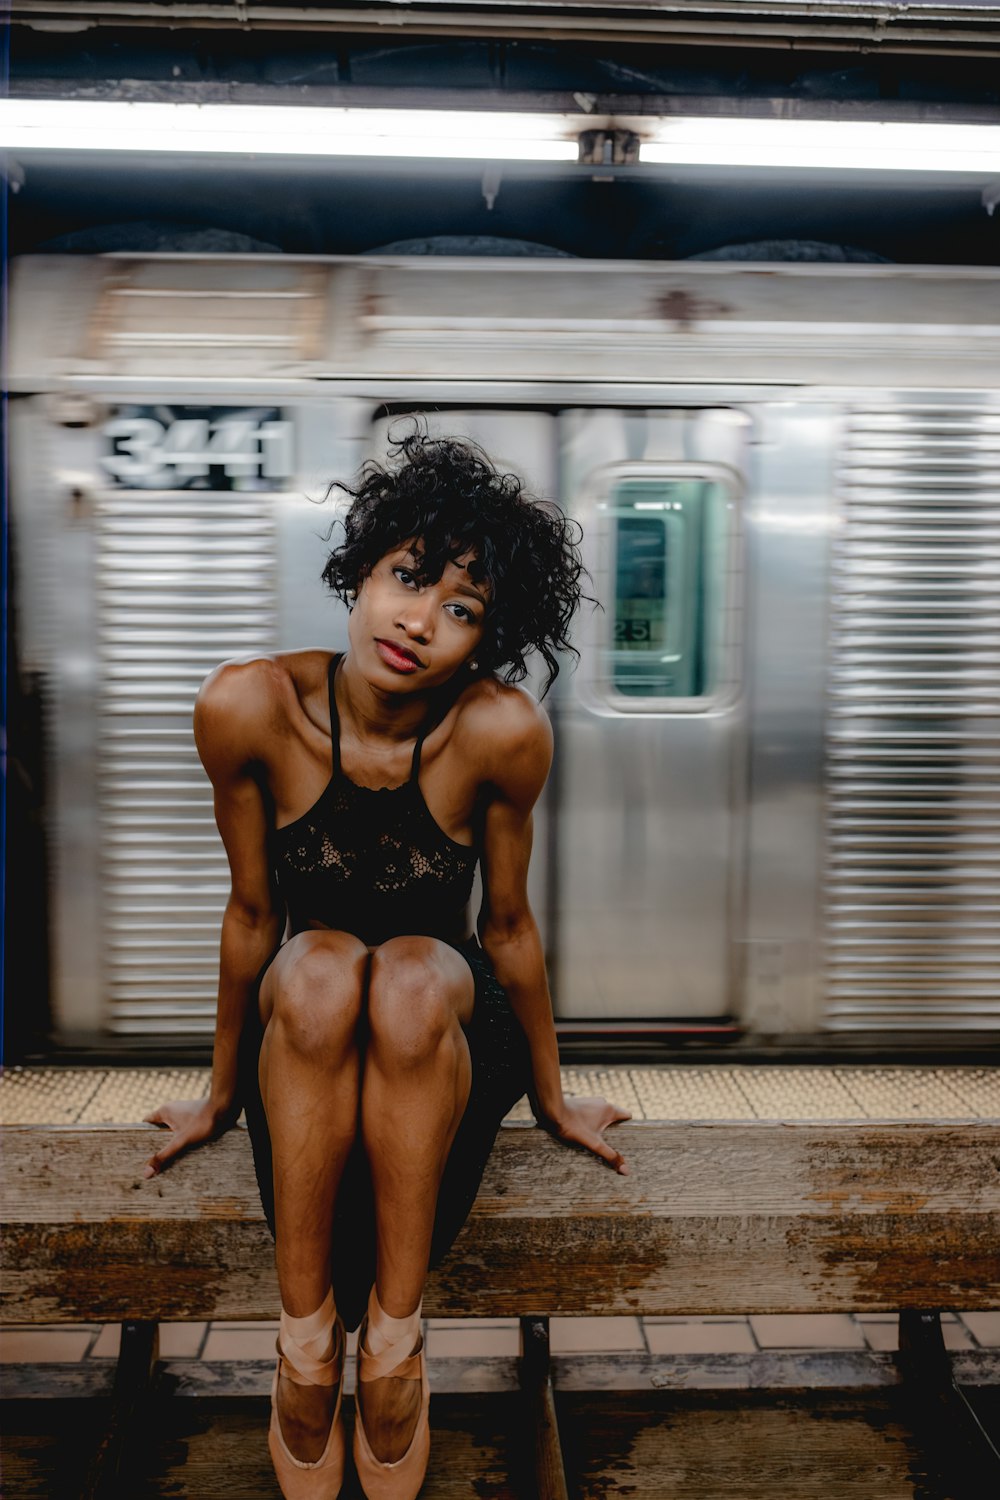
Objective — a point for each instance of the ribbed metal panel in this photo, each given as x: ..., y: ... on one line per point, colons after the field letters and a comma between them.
x: 185, y: 580
x: 183, y: 313
x: 912, y: 878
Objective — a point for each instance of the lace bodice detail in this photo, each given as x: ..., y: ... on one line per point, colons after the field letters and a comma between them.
x: 372, y: 862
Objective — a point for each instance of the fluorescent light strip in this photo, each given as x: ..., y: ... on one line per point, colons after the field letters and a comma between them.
x: 284, y: 130
x: 857, y: 145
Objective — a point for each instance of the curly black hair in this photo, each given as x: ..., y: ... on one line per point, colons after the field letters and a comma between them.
x: 448, y: 494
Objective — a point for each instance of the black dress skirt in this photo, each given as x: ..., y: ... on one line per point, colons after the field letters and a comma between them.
x: 501, y: 1073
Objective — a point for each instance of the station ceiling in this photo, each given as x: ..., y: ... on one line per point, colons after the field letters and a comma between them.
x: 903, y: 26
x: 831, y: 59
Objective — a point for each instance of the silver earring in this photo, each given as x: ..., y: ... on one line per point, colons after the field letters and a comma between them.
x: 473, y: 666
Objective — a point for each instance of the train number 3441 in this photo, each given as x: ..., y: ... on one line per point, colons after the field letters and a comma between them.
x: 149, y: 454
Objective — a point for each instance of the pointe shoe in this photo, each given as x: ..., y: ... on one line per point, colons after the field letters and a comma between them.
x: 298, y: 1479
x: 400, y: 1480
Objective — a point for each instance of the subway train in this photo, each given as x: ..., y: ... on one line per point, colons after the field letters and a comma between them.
x: 774, y: 811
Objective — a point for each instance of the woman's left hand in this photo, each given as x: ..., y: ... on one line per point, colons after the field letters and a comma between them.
x: 581, y: 1122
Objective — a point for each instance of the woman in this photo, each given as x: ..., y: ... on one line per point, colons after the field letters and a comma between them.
x: 377, y: 1048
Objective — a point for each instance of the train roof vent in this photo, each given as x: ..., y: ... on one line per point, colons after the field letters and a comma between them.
x: 261, y: 317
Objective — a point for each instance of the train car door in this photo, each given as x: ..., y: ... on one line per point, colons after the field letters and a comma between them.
x: 646, y: 885
x: 634, y: 869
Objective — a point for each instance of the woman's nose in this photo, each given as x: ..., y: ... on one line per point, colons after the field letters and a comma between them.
x: 416, y: 618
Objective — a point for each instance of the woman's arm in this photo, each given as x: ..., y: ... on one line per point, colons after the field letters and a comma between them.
x: 229, y: 711
x: 521, y: 759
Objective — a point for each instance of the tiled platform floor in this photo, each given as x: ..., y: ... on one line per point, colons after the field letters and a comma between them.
x: 476, y: 1339
x: 83, y: 1096
x: 92, y: 1096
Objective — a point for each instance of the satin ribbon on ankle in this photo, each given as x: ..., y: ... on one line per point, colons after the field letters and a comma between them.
x: 299, y: 1362
x: 398, y: 1336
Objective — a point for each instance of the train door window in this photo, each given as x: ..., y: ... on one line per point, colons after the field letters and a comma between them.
x: 667, y: 586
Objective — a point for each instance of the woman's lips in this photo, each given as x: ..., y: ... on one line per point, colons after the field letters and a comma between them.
x: 397, y: 657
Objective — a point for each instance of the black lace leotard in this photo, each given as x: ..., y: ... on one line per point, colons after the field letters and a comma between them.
x: 375, y: 863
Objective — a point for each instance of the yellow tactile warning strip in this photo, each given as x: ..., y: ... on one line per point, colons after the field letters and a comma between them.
x: 91, y: 1096
x: 819, y: 1093
x: 46, y: 1096
x: 131, y: 1094
x: 931, y: 1094
x: 690, y: 1093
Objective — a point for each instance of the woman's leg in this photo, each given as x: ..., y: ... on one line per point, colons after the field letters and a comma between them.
x: 415, y: 1086
x: 311, y: 1002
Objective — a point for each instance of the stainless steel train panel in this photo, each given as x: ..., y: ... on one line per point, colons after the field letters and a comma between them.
x: 691, y: 824
x: 51, y: 469
x: 639, y: 321
x: 789, y: 520
x: 117, y: 320
x: 647, y: 752
x: 185, y: 579
x: 148, y: 584
x: 912, y: 880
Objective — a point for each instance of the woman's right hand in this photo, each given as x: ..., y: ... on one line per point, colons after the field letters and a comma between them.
x: 193, y: 1121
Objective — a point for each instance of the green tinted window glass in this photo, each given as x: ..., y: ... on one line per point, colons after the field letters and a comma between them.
x: 668, y: 568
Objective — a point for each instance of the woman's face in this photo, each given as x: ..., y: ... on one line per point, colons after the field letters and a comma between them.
x: 403, y: 632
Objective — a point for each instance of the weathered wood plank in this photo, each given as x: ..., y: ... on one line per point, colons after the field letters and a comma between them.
x: 791, y: 1369
x: 805, y: 1446
x: 715, y: 1217
x: 216, y: 1449
x: 48, y: 1446
x: 80, y: 1174
x: 456, y: 1375
x: 823, y: 1369
x: 714, y: 1446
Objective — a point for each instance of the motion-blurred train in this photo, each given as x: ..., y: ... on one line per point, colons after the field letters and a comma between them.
x: 775, y: 805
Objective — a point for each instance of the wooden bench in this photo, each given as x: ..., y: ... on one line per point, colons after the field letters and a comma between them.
x: 715, y: 1218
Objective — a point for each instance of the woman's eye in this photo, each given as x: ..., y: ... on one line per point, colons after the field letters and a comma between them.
x: 404, y: 575
x: 462, y: 613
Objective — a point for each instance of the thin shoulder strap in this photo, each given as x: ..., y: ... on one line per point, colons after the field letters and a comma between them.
x: 431, y: 722
x: 334, y: 716
x: 425, y: 729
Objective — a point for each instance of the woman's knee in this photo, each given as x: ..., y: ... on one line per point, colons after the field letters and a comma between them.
x: 316, y: 987
x: 413, y: 999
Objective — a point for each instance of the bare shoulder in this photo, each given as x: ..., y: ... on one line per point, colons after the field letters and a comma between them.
x: 246, y: 704
x: 508, y: 736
